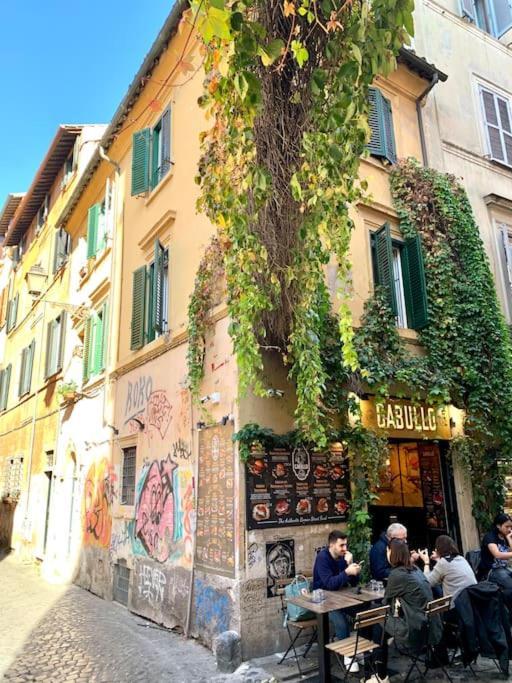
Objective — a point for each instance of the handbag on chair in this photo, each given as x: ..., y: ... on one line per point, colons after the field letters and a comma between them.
x: 294, y: 590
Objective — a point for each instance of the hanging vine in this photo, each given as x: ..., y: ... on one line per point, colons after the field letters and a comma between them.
x: 468, y: 359
x: 286, y: 93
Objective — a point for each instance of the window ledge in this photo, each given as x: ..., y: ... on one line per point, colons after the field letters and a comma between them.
x: 93, y: 264
x: 408, y: 333
x: 155, y: 191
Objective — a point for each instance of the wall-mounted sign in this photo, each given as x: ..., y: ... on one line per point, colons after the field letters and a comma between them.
x: 289, y: 486
x: 401, y: 418
x: 215, y: 540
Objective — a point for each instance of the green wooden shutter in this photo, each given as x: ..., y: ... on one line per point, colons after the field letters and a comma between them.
x: 104, y: 332
x: 48, y: 358
x: 92, y: 229
x: 29, y: 365
x: 165, y: 132
x: 415, y: 288
x: 87, y: 344
x: 6, y: 378
x: 98, y: 344
x: 21, y: 383
x: 62, y: 339
x: 150, y: 286
x: 138, y: 308
x: 140, y: 161
x: 380, y: 119
x: 8, y: 316
x: 157, y: 290
x: 376, y: 144
x: 384, y: 262
x: 14, y: 311
x: 389, y: 133
x: 61, y: 251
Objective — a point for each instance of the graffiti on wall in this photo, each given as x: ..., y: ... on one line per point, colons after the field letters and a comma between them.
x: 151, y: 585
x: 121, y: 538
x: 213, y: 608
x: 154, y: 513
x: 99, y: 494
x: 148, y: 406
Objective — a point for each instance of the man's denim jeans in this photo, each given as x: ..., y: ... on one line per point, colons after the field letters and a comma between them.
x: 340, y: 623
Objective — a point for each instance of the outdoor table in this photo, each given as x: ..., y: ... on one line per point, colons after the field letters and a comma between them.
x: 342, y: 599
x: 366, y: 595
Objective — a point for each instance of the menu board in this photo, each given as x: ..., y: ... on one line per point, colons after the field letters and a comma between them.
x: 215, y: 528
x: 432, y: 487
x: 289, y: 486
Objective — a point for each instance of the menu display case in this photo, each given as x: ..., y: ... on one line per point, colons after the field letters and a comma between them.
x: 291, y: 486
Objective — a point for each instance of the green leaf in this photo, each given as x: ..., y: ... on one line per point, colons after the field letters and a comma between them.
x: 241, y: 85
x: 296, y: 188
x: 299, y: 52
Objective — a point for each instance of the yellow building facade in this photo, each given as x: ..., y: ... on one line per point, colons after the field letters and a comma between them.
x: 121, y: 482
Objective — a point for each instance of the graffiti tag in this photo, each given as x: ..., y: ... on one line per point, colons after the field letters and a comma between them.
x: 152, y: 584
x: 213, y: 608
x: 159, y: 412
x: 181, y: 450
x: 99, y: 493
x: 154, y: 513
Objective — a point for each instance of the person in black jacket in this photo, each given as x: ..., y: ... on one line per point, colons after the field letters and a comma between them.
x: 408, y: 593
x: 379, y: 565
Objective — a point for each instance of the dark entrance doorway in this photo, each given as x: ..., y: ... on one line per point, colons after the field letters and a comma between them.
x: 417, y: 490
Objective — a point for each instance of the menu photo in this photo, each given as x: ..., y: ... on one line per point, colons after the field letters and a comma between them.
x: 290, y: 486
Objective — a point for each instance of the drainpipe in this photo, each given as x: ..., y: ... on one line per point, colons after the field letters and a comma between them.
x: 419, y: 101
x: 115, y: 302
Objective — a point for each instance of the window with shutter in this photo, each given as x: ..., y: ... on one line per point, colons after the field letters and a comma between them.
x: 86, y: 349
x: 399, y: 268
x: 93, y: 217
x: 141, y: 143
x: 380, y: 119
x: 5, y: 379
x: 415, y: 287
x: 498, y: 126
x: 12, y: 312
x: 157, y: 289
x: 467, y: 9
x: 138, y: 308
x: 55, y: 345
x: 61, y: 249
x: 27, y: 360
x: 384, y: 264
x: 21, y: 383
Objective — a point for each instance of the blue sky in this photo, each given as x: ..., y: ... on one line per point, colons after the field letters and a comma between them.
x: 63, y: 62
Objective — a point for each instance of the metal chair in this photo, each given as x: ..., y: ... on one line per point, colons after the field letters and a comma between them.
x: 357, y: 645
x: 296, y: 630
x: 428, y: 654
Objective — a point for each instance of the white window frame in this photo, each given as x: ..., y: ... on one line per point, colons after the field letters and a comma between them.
x: 398, y: 283
x: 468, y: 8
x: 505, y: 98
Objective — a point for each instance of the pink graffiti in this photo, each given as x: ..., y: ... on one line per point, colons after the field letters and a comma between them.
x: 158, y: 412
x: 155, y: 510
x: 188, y: 519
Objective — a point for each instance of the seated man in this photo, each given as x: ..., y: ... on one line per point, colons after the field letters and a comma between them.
x: 379, y: 565
x: 334, y: 569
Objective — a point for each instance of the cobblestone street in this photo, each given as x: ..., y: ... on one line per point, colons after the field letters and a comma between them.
x: 64, y: 633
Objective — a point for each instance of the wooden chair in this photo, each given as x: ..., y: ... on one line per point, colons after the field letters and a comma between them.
x: 296, y: 630
x: 428, y: 654
x: 357, y: 645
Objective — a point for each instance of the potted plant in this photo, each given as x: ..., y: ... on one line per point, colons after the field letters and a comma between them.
x: 68, y: 390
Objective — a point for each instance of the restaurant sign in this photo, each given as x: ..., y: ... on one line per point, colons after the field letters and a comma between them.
x: 401, y: 418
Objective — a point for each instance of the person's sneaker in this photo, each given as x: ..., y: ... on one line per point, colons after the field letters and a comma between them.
x: 377, y: 679
x: 351, y: 666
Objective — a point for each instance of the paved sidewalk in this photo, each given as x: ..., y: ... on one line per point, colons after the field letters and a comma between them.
x: 63, y: 633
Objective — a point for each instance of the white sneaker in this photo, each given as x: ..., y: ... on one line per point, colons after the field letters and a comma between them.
x: 353, y: 667
x: 377, y: 679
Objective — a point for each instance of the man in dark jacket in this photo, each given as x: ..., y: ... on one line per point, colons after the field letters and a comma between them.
x: 379, y: 565
x: 334, y: 569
